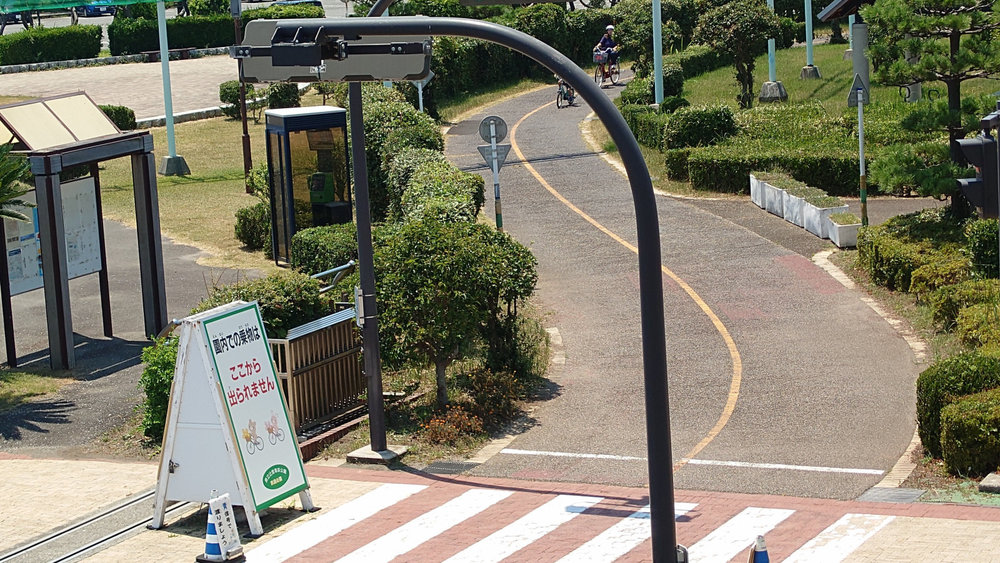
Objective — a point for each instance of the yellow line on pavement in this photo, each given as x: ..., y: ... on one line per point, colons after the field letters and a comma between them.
x: 734, y: 354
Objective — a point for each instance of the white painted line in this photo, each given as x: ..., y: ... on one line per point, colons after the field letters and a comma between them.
x: 841, y: 538
x: 621, y: 538
x: 737, y: 535
x: 526, y: 530
x: 427, y: 526
x: 785, y: 466
x: 569, y: 454
x: 309, y: 534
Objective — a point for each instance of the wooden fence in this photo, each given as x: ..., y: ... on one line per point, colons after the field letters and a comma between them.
x: 319, y: 367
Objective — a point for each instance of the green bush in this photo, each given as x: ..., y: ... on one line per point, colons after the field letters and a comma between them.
x: 979, y: 325
x: 281, y: 13
x: 253, y: 226
x: 286, y: 299
x: 208, y: 7
x: 649, y: 127
x: 890, y: 252
x: 399, y: 169
x: 155, y: 381
x: 696, y: 60
x: 638, y: 91
x: 123, y: 117
x: 673, y: 80
x: 981, y: 243
x: 496, y: 396
x: 634, y: 33
x: 725, y: 167
x: 699, y: 126
x: 970, y: 434
x: 673, y: 103
x: 283, y: 95
x: 939, y: 384
x: 947, y: 269
x: 946, y: 302
x: 440, y: 190
x: 676, y: 161
x: 229, y: 95
x: 40, y: 44
x: 319, y: 249
x: 128, y: 36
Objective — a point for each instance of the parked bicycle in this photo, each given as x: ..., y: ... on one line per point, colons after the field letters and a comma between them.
x: 566, y: 95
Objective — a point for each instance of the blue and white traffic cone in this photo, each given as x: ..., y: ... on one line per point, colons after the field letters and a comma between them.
x: 213, y: 550
x: 758, y: 552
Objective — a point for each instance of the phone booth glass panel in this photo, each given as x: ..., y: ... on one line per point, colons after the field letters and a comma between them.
x: 309, y: 180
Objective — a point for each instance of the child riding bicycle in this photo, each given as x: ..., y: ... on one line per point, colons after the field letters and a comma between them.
x: 606, y: 51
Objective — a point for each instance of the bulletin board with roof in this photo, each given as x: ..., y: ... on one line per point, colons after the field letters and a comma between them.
x: 64, y: 139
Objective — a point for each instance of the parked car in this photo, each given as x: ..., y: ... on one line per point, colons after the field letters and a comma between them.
x: 96, y: 8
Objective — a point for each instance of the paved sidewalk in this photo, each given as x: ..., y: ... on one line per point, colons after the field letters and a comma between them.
x: 428, y: 517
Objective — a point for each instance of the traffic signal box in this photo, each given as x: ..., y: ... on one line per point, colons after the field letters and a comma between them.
x: 981, y: 191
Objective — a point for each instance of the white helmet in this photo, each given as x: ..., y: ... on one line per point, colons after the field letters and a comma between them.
x: 609, y: 28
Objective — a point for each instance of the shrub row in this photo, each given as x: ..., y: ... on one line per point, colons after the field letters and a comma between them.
x: 41, y: 44
x: 725, y: 167
x: 970, y: 434
x: 123, y: 117
x: 945, y: 380
x: 128, y: 36
x: 685, y: 127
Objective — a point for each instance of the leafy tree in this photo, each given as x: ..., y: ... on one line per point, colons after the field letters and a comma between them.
x: 950, y: 40
x: 738, y: 29
x: 12, y: 171
x: 634, y: 33
x: 438, y: 285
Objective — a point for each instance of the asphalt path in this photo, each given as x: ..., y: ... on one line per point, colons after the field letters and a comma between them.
x: 770, y: 360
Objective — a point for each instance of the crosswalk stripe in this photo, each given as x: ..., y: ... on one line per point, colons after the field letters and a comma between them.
x: 526, y: 530
x: 621, y: 538
x: 427, y: 526
x: 309, y: 534
x: 736, y: 535
x: 840, y: 539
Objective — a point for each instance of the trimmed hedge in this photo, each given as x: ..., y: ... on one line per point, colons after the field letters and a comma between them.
x: 979, y: 325
x: 399, y: 169
x: 890, y: 252
x: 963, y: 374
x: 725, y: 168
x: 122, y: 116
x: 638, y: 91
x: 698, y: 126
x: 970, y: 434
x: 981, y: 243
x: 676, y: 161
x: 128, y: 36
x: 319, y: 249
x: 949, y: 267
x: 698, y: 59
x: 286, y: 299
x: 41, y: 44
x: 253, y: 226
x: 442, y: 191
x: 946, y: 302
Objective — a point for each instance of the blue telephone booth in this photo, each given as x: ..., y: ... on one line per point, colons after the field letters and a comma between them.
x: 309, y: 179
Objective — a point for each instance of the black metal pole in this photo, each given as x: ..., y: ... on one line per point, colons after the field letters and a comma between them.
x: 658, y: 441
x: 369, y: 330
x: 235, y: 9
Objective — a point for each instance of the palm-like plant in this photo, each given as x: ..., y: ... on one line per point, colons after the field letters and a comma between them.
x: 12, y: 170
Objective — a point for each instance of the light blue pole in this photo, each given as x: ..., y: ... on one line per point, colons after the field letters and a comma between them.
x: 772, y: 71
x: 850, y: 31
x: 657, y: 53
x: 168, y: 104
x: 809, y: 33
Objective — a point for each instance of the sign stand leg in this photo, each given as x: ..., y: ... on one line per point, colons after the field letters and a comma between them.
x: 307, y: 502
x: 253, y: 518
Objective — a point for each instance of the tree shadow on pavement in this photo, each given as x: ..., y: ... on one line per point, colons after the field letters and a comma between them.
x: 30, y: 416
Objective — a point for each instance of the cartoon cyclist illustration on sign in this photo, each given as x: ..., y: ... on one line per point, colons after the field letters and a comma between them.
x: 274, y: 434
x: 253, y: 440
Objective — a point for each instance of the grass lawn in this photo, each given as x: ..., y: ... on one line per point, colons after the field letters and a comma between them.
x: 17, y: 387
x: 719, y: 86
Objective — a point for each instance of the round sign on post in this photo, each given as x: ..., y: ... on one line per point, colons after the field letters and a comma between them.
x: 499, y: 124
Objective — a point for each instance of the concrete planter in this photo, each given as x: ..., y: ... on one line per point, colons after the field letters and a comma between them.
x: 792, y: 208
x: 757, y: 192
x: 773, y: 198
x: 815, y: 219
x: 844, y: 236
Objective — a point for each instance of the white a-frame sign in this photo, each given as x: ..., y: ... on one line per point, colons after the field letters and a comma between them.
x: 227, y: 425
